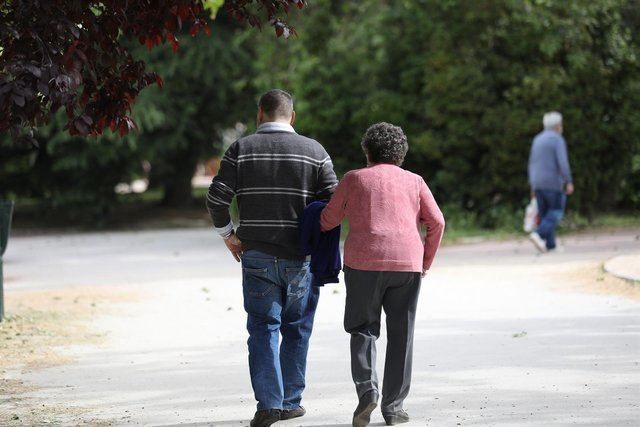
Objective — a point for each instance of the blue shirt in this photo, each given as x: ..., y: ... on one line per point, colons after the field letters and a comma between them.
x: 548, y: 162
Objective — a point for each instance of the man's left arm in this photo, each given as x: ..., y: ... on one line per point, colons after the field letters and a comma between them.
x: 563, y: 164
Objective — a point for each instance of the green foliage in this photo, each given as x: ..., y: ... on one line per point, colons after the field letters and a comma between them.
x: 469, y: 82
x: 212, y: 7
x: 71, y: 177
x: 206, y: 90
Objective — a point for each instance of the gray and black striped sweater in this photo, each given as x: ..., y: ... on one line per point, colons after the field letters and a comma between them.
x: 274, y: 174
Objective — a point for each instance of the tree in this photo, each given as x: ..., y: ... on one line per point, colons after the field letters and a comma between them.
x: 469, y: 83
x: 72, y: 178
x: 70, y: 54
x: 207, y: 90
x: 492, y: 71
x: 333, y: 71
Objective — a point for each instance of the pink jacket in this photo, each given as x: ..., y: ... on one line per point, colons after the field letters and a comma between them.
x: 385, y: 206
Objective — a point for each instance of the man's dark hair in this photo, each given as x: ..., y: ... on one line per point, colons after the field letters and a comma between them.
x: 385, y: 143
x: 276, y: 103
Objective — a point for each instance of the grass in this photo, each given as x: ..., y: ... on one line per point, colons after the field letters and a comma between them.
x: 606, y: 220
x: 455, y: 234
x: 465, y: 229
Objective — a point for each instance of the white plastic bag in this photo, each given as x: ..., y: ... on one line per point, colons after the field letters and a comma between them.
x: 531, y: 216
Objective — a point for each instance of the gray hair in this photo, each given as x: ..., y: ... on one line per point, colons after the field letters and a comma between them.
x: 552, y: 120
x: 276, y: 104
x: 385, y: 143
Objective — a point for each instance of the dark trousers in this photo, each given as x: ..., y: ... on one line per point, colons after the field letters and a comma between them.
x: 551, y: 210
x: 368, y: 292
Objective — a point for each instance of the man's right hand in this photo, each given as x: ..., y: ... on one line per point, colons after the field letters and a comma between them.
x: 235, y: 246
x: 569, y: 189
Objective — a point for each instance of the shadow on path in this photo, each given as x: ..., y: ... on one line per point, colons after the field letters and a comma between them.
x: 245, y: 423
x: 210, y: 424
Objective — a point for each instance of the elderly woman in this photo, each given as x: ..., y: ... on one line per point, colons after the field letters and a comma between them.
x: 385, y: 258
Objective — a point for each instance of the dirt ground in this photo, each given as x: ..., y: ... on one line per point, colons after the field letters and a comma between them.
x: 592, y: 278
x: 37, y: 325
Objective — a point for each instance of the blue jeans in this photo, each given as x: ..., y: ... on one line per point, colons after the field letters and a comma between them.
x: 279, y: 300
x: 551, y: 210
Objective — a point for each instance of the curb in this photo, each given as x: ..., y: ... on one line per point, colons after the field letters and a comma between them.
x: 618, y: 266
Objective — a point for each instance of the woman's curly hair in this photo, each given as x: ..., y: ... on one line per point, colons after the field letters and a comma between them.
x: 385, y: 143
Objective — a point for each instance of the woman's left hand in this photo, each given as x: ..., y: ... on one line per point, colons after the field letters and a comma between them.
x: 424, y: 273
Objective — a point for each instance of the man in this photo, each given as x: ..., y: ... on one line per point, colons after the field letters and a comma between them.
x: 274, y: 174
x: 550, y: 179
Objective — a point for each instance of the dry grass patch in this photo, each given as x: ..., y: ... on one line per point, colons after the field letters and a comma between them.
x: 36, y: 325
x: 593, y: 279
x: 16, y: 411
x: 36, y: 322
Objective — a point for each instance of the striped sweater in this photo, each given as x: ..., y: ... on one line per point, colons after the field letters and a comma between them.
x: 274, y: 174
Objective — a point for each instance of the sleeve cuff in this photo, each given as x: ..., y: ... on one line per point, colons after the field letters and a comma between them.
x: 225, y: 231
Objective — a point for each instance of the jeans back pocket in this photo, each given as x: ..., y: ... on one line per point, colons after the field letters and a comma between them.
x: 256, y: 282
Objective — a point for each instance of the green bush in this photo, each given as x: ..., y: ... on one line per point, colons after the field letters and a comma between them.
x: 68, y: 179
x: 469, y: 82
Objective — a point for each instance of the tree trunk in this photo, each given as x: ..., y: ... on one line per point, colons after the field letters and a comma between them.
x: 177, y: 185
x: 177, y: 193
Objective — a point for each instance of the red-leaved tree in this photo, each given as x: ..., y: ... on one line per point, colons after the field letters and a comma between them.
x: 69, y: 54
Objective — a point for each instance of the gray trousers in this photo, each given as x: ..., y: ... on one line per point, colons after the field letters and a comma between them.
x: 368, y: 292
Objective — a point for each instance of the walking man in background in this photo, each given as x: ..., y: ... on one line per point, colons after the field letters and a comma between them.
x: 550, y: 179
x: 274, y: 174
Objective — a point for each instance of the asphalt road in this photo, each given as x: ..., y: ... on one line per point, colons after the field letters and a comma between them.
x: 504, y: 336
x: 95, y: 259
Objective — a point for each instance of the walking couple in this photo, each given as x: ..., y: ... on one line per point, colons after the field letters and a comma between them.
x: 274, y: 174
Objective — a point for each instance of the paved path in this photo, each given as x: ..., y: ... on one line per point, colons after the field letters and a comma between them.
x: 504, y: 336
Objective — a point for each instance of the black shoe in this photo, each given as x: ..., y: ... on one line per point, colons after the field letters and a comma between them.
x: 287, y: 414
x: 393, y: 418
x: 366, y: 405
x: 265, y: 418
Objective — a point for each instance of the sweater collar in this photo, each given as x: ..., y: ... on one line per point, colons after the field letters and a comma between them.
x: 269, y: 127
